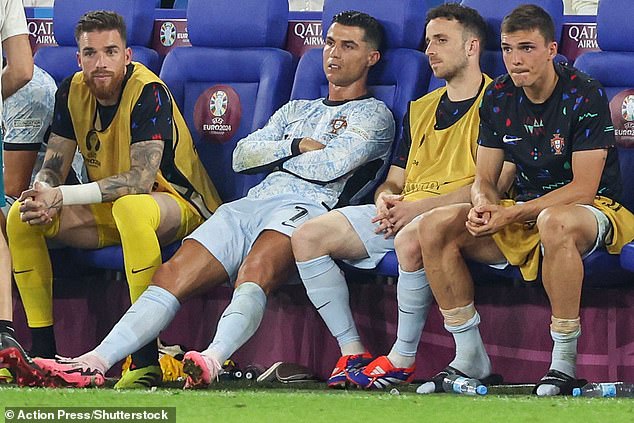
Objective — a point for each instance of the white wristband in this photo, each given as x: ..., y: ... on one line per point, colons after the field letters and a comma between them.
x: 80, y: 194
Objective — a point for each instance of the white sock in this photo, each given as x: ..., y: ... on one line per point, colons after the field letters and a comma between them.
x: 414, y: 297
x: 239, y: 321
x: 327, y: 289
x: 92, y: 360
x: 564, y: 359
x: 144, y: 320
x: 471, y: 357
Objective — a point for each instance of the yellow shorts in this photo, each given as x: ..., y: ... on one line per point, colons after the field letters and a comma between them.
x: 521, y: 244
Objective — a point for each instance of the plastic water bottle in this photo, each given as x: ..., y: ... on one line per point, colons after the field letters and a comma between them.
x: 463, y: 385
x: 606, y: 390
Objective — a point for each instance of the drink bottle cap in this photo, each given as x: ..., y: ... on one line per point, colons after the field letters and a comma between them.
x: 576, y: 392
x: 482, y: 390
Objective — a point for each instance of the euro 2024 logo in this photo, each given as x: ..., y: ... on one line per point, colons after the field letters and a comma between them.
x: 218, y: 103
x: 627, y: 108
x: 168, y: 34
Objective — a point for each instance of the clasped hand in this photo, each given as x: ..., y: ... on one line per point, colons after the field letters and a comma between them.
x: 392, y: 214
x: 40, y: 204
x: 486, y: 219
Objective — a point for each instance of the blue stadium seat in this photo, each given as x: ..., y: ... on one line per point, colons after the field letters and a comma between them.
x: 60, y: 61
x: 612, y: 66
x: 240, y: 47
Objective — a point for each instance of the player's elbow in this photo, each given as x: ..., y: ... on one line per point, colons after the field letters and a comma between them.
x: 22, y: 74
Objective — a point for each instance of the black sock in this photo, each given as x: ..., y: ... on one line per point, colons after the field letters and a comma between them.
x: 43, y: 342
x: 6, y: 326
x: 146, y: 356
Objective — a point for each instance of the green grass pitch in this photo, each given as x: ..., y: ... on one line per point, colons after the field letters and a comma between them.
x: 228, y: 402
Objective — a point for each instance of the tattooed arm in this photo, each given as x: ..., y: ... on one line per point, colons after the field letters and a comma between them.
x: 42, y: 202
x: 145, y: 159
x: 57, y: 161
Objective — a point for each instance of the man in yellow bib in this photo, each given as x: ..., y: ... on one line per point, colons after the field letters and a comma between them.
x: 148, y: 186
x: 553, y: 123
x: 435, y: 166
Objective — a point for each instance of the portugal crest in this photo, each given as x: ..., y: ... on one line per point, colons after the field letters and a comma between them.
x: 338, y: 124
x: 557, y: 144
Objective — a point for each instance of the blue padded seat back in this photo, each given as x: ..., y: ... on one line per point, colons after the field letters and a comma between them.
x: 403, y: 20
x: 615, y: 25
x: 60, y: 61
x: 615, y: 35
x: 493, y: 12
x: 247, y: 23
x: 239, y: 47
x: 612, y: 67
x: 261, y: 78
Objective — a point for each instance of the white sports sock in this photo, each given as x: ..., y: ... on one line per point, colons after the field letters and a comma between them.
x: 144, y: 320
x: 564, y: 356
x: 414, y: 297
x: 471, y: 357
x: 239, y: 321
x: 564, y: 359
x: 327, y: 290
x: 92, y: 360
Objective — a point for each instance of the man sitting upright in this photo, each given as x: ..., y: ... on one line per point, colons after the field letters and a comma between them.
x: 148, y: 187
x: 553, y: 122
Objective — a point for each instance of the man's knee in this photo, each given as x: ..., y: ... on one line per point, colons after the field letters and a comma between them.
x: 306, y: 237
x: 13, y: 214
x: 16, y: 228
x: 265, y: 272
x: 136, y: 208
x: 315, y: 237
x: 407, y: 245
x: 441, y: 225
x: 558, y: 226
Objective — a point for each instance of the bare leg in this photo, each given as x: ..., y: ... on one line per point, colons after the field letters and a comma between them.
x: 566, y: 233
x: 191, y: 271
x: 445, y: 244
x: 6, y: 295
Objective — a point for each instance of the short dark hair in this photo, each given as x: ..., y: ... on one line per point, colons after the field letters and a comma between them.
x: 373, y: 30
x: 100, y: 20
x: 468, y: 17
x: 528, y: 17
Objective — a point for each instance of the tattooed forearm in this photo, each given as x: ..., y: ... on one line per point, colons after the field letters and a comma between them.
x: 59, y: 155
x: 51, y: 171
x: 145, y: 159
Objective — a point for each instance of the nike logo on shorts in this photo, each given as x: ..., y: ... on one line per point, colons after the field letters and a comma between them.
x: 17, y: 272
